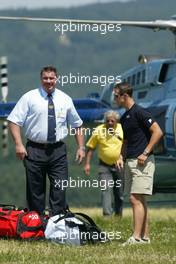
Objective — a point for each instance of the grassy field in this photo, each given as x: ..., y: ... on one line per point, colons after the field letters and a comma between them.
x: 161, y: 250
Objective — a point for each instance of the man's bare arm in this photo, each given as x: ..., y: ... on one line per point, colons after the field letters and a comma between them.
x: 89, y: 156
x: 16, y: 135
x: 120, y: 161
x: 156, y: 134
x: 80, y: 154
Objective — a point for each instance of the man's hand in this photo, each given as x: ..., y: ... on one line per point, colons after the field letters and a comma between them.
x: 87, y: 169
x: 119, y: 163
x: 141, y: 159
x: 80, y: 155
x: 21, y: 152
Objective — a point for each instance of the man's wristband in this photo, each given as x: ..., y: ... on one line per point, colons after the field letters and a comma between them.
x: 82, y: 148
x: 145, y: 153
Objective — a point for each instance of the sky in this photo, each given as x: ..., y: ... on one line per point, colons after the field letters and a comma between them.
x: 32, y: 4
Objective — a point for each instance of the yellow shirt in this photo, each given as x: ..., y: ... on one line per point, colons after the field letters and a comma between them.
x: 109, y: 145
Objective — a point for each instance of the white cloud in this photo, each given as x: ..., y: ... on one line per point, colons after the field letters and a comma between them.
x: 14, y: 4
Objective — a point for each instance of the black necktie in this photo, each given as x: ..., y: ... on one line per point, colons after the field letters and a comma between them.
x: 51, y: 120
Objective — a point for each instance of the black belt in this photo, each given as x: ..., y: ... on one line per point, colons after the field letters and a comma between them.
x: 105, y: 164
x: 44, y: 145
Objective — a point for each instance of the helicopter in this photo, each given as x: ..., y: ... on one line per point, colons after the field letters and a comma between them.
x: 153, y: 80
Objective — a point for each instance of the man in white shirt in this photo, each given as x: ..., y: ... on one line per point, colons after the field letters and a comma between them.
x: 45, y: 113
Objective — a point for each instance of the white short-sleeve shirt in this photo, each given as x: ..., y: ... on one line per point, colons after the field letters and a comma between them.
x: 31, y: 112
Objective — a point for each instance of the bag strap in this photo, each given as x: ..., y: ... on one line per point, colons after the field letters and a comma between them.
x: 94, y: 226
x: 8, y: 206
x: 68, y: 214
x: 7, y: 214
x: 84, y: 216
x: 21, y: 227
x: 13, y: 207
x: 88, y: 218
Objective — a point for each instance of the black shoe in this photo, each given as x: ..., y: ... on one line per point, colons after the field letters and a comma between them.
x: 118, y: 215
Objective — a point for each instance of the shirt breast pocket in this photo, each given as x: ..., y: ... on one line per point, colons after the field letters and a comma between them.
x: 61, y: 117
x: 37, y: 109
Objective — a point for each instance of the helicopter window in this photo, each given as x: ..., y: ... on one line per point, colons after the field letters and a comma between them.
x: 138, y: 78
x: 142, y: 94
x: 129, y: 80
x: 167, y: 72
x: 133, y: 79
x: 143, y: 76
x: 88, y: 104
x: 163, y: 72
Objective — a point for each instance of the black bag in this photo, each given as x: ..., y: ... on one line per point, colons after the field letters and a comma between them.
x: 74, y: 229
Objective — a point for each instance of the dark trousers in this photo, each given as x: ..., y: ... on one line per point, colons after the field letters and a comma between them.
x: 112, y: 185
x: 45, y: 160
x: 118, y: 190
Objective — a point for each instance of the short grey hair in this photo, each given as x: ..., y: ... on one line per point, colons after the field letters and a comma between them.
x: 113, y: 114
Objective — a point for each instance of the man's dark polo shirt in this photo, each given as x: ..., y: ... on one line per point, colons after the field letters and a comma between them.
x: 136, y: 123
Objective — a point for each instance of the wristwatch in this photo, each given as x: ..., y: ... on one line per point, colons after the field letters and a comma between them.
x: 145, y: 153
x: 82, y: 148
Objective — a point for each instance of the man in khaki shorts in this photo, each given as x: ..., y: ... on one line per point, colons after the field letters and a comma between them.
x: 141, y: 133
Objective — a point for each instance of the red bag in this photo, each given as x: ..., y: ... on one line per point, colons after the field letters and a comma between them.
x: 8, y: 222
x: 30, y: 225
x: 21, y: 223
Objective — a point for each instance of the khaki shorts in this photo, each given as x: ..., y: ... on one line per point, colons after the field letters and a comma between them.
x: 139, y: 179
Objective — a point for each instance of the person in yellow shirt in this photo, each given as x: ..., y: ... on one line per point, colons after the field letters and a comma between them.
x: 109, y: 138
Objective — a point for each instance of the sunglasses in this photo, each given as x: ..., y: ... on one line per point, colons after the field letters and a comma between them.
x: 116, y: 95
x: 110, y: 121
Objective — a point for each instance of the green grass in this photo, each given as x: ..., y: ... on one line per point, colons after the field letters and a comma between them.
x: 161, y: 250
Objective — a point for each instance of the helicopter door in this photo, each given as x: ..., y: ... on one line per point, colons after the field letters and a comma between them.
x: 174, y: 127
x: 159, y: 114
